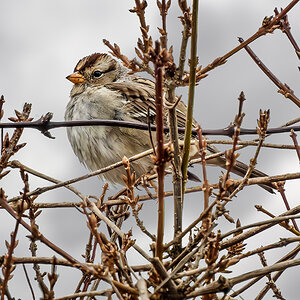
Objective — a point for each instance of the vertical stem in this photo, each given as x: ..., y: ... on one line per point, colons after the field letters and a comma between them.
x: 164, y: 24
x: 185, y: 36
x: 160, y: 158
x: 171, y: 98
x: 173, y: 125
x: 186, y: 33
x: 177, y: 177
x: 189, y: 120
x: 202, y: 145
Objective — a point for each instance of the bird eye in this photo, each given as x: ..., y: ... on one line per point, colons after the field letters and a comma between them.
x: 97, y: 74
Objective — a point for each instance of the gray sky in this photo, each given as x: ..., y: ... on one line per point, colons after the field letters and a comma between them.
x: 41, y: 41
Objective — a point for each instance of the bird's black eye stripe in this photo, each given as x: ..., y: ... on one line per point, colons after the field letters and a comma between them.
x: 97, y: 74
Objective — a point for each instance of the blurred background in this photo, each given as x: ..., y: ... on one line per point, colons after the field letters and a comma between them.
x: 41, y: 42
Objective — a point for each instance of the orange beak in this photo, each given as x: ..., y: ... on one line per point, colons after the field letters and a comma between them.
x: 76, y: 78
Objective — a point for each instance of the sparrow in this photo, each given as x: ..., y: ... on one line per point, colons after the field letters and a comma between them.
x: 103, y: 89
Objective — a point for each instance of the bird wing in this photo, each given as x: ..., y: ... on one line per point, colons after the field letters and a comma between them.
x: 140, y: 100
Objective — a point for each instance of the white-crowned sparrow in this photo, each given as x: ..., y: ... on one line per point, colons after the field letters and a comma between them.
x: 103, y: 89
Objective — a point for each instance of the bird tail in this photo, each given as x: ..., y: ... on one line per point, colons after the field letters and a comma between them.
x: 241, y: 169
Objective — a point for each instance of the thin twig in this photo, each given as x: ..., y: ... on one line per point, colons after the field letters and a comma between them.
x: 113, y: 202
x: 252, y: 143
x: 269, y: 179
x: 271, y: 221
x: 28, y: 281
x: 45, y: 126
x: 44, y: 240
x: 293, y: 135
x: 8, y: 265
x: 89, y: 294
x: 206, y: 185
x: 92, y: 206
x: 280, y: 188
x: 262, y: 123
x: 192, y: 225
x: 286, y: 28
x: 284, y: 89
x: 223, y: 284
x: 17, y: 164
x: 255, y: 230
x: 95, y: 173
x: 283, y: 224
x: 159, y: 267
x: 291, y: 255
x: 269, y: 25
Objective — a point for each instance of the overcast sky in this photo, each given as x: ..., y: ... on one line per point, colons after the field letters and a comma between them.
x: 41, y: 42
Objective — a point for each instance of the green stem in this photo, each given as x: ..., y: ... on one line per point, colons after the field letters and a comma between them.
x: 189, y: 120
